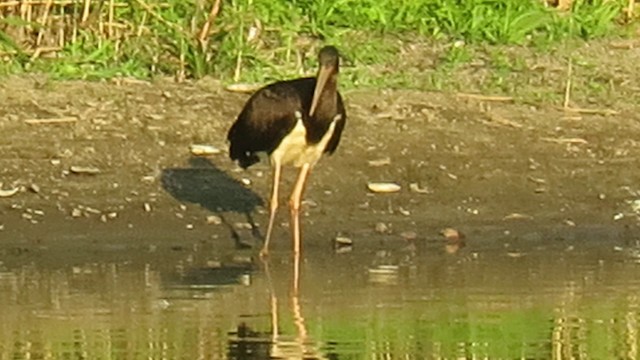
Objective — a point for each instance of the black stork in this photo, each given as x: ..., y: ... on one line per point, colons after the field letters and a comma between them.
x: 295, y: 122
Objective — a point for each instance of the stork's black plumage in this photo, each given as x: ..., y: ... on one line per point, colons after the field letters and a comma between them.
x: 295, y: 122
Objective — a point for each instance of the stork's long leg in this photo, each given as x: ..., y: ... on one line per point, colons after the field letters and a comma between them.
x: 294, y: 205
x: 273, y: 206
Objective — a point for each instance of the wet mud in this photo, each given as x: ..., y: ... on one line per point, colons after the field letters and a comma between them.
x: 111, y: 160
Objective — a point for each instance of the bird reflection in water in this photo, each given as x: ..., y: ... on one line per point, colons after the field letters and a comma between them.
x: 246, y: 343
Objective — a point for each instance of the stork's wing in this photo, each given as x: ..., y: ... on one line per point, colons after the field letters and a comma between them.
x: 268, y: 116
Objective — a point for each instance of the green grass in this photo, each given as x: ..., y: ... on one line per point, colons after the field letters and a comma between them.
x: 160, y: 38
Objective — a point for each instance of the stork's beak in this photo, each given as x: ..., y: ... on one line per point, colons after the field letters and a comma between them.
x: 323, y: 75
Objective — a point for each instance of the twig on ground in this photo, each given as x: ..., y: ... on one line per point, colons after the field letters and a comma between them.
x: 592, y: 111
x: 485, y: 97
x: 565, y: 140
x: 60, y: 120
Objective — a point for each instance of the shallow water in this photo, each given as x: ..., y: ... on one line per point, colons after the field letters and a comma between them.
x: 537, y: 295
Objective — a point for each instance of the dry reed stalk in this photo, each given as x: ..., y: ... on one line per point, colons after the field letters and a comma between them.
x: 238, y: 69
x: 6, y: 4
x: 567, y: 88
x: 110, y: 19
x: 141, y: 25
x: 44, y: 50
x: 205, y: 31
x: 564, y: 5
x: 85, y: 11
x: 43, y: 22
x: 24, y: 15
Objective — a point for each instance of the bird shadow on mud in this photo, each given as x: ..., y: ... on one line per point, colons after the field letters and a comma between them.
x: 204, y: 184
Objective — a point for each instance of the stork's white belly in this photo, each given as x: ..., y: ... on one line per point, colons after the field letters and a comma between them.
x: 295, y: 150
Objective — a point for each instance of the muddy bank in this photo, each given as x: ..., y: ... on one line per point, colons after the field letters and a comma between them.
x: 109, y: 163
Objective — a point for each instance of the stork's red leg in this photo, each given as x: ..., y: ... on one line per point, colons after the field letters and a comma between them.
x: 294, y: 205
x: 273, y: 206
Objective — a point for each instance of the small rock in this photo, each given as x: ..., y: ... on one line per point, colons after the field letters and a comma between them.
x: 382, y: 228
x: 76, y: 213
x: 147, y: 207
x: 310, y: 203
x: 380, y: 162
x: 92, y: 210
x: 415, y: 187
x: 9, y: 192
x: 202, y: 150
x: 451, y: 234
x: 189, y: 226
x: 517, y: 216
x: 214, y: 220
x: 409, y: 235
x: 381, y: 187
x: 84, y: 170
x: 34, y: 188
x: 243, y: 226
x: 340, y: 241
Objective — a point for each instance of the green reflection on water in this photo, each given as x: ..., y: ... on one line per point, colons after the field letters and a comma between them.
x: 575, y: 306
